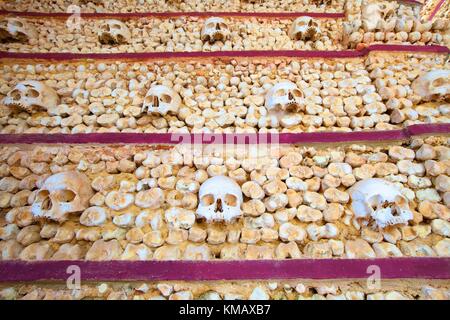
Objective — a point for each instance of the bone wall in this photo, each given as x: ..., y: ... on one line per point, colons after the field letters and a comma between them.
x: 429, y: 7
x: 391, y: 22
x: 174, y: 34
x: 177, y: 6
x: 375, y: 92
x: 184, y: 34
x: 144, y: 201
x: 232, y: 290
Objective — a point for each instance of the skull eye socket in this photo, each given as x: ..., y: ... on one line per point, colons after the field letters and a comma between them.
x: 149, y: 99
x: 374, y: 201
x: 15, y: 94
x: 439, y: 82
x: 297, y: 93
x: 115, y: 27
x: 301, y: 23
x: 280, y: 93
x: 230, y: 200
x: 64, y: 195
x: 207, y: 200
x: 222, y: 25
x: 211, y: 25
x: 32, y: 93
x: 43, y: 197
x: 166, y: 98
x: 17, y: 23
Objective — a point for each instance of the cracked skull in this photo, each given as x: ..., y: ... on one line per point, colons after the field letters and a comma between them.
x: 304, y: 28
x: 214, y: 29
x: 61, y: 194
x: 381, y: 200
x: 433, y: 85
x: 31, y: 95
x: 220, y: 199
x: 161, y: 100
x: 284, y: 96
x: 16, y: 29
x: 114, y: 32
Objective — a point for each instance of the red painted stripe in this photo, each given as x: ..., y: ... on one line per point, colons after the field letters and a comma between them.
x: 63, y: 56
x: 194, y: 55
x: 170, y: 138
x: 166, y: 15
x: 409, y: 47
x: 390, y: 268
x: 436, y: 10
x: 427, y: 129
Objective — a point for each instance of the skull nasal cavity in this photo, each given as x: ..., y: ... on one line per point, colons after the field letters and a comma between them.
x: 155, y: 101
x: 290, y: 96
x: 46, y: 204
x: 219, y: 206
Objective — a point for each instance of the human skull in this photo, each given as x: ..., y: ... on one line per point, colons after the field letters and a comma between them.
x: 433, y: 85
x: 220, y: 199
x: 284, y: 96
x: 61, y: 194
x: 214, y: 29
x: 381, y: 200
x: 161, y: 100
x: 30, y: 95
x: 321, y: 2
x: 16, y: 29
x: 92, y: 1
x: 378, y: 16
x: 114, y: 32
x: 304, y: 28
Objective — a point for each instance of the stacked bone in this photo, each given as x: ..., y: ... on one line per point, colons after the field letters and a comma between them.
x: 176, y: 5
x: 142, y: 203
x: 380, y: 91
x: 276, y: 290
x: 435, y: 9
x: 372, y: 25
x: 137, y: 202
x: 392, y: 22
x: 172, y: 34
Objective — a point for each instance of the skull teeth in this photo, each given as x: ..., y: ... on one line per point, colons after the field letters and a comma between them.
x: 19, y: 105
x: 292, y: 107
x: 310, y: 33
x: 216, y: 36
